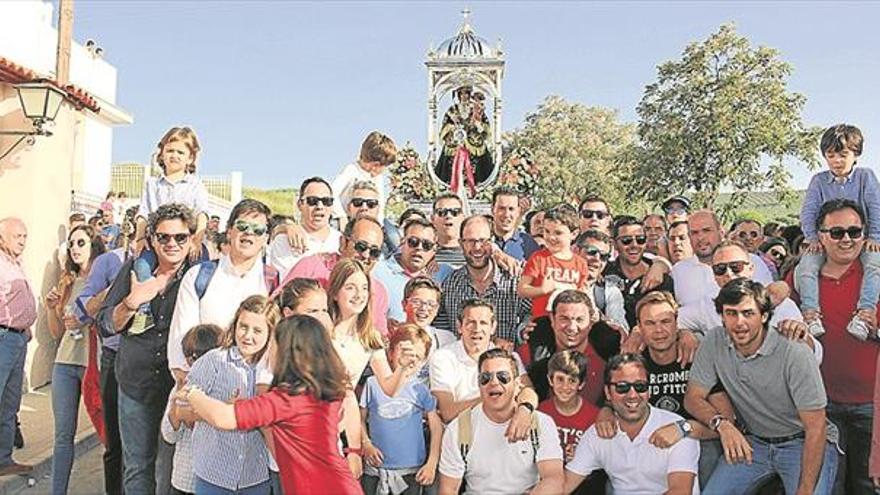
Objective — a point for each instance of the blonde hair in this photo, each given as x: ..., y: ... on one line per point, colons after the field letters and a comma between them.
x: 188, y: 136
x: 345, y: 268
x: 656, y: 297
x: 260, y: 305
x: 378, y: 147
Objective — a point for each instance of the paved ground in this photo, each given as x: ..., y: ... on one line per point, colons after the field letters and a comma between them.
x: 87, y: 477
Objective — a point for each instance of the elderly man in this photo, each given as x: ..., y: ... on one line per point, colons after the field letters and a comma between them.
x: 777, y: 390
x: 475, y: 449
x: 18, y: 311
x: 506, y: 213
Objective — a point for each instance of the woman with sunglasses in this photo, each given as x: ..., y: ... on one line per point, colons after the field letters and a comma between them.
x: 66, y: 322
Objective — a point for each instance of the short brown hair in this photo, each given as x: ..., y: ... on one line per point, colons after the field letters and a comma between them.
x: 378, y: 147
x: 411, y: 333
x: 841, y: 136
x: 571, y: 362
x: 564, y: 214
x: 188, y: 136
x: 656, y: 297
x: 201, y: 339
x: 420, y: 283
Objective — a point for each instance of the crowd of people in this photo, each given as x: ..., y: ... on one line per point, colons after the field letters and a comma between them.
x: 570, y: 349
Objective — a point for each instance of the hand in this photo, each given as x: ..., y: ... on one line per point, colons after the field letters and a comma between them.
x: 736, y: 447
x: 507, y: 262
x: 373, y: 455
x: 527, y: 330
x: 143, y: 292
x: 687, y: 346
x: 869, y: 316
x: 425, y: 475
x: 296, y: 236
x: 793, y: 329
x: 70, y: 321
x: 406, y: 356
x: 634, y: 343
x: 195, y: 247
x: 53, y: 298
x: 519, y: 426
x: 504, y: 344
x: 548, y: 285
x: 355, y: 465
x: 606, y: 423
x: 815, y: 247
x: 666, y: 436
x: 654, y: 277
x: 872, y: 246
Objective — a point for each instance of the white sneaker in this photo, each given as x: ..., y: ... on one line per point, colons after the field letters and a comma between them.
x: 815, y: 327
x: 858, y: 328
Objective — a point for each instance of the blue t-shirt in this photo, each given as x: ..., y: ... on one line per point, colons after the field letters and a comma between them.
x: 396, y: 423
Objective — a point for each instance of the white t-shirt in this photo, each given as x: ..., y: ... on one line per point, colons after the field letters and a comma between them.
x: 452, y: 370
x: 282, y: 257
x: 493, y: 464
x: 635, y: 467
x: 694, y: 280
x: 349, y: 174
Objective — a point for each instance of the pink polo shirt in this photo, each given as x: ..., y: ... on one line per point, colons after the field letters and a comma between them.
x: 18, y: 308
x: 319, y: 266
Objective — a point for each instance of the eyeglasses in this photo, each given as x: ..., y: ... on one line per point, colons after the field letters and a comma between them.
x: 358, y: 202
x: 745, y: 235
x: 246, y: 227
x: 364, y: 246
x: 78, y: 243
x: 503, y: 377
x: 444, y: 212
x: 624, y: 387
x: 735, y: 266
x: 415, y: 242
x: 314, y: 200
x: 837, y: 233
x: 421, y: 303
x: 163, y: 238
x: 473, y: 243
x: 628, y: 239
x: 596, y: 253
x: 599, y: 215
x: 675, y: 210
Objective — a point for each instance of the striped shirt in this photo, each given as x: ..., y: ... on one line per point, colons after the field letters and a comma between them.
x: 182, y: 477
x: 160, y: 191
x: 229, y: 459
x: 452, y: 256
x: 18, y: 308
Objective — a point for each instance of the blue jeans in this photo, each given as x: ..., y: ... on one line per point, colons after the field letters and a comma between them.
x: 783, y: 459
x: 66, y: 391
x: 13, y: 349
x: 110, y: 401
x: 855, y: 424
x: 139, y: 428
x: 806, y: 276
x: 205, y: 488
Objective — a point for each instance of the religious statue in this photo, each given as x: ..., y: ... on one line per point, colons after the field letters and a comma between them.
x: 466, y: 135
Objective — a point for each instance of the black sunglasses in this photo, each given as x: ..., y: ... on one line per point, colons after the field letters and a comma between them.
x: 623, y: 387
x: 628, y: 239
x: 358, y: 202
x: 503, y: 377
x: 837, y: 233
x: 596, y: 253
x: 443, y: 212
x: 314, y: 200
x: 588, y: 214
x: 746, y: 235
x: 415, y: 242
x: 735, y: 266
x: 78, y: 243
x: 164, y: 239
x: 364, y: 246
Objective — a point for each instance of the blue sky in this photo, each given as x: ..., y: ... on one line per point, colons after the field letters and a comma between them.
x: 285, y: 90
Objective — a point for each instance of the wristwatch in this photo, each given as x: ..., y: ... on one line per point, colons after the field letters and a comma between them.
x: 716, y: 420
x: 684, y: 427
x: 527, y: 405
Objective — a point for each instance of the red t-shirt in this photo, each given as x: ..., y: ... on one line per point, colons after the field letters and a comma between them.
x: 305, y: 433
x: 570, y: 428
x: 568, y: 274
x: 850, y: 365
x: 593, y: 390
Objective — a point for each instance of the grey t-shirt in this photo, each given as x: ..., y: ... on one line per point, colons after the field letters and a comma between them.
x: 767, y: 388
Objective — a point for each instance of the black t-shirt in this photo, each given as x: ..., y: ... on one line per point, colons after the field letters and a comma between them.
x: 632, y: 288
x: 667, y: 385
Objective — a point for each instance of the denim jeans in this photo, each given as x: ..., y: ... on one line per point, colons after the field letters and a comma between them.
x: 783, y: 459
x: 806, y: 275
x: 139, y: 429
x: 205, y: 488
x: 13, y: 349
x: 109, y: 399
x: 855, y: 424
x: 66, y: 391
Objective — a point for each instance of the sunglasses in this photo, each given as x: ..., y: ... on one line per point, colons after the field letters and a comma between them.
x: 624, y: 387
x: 735, y: 266
x: 421, y: 303
x: 358, y: 202
x: 746, y: 235
x: 363, y: 247
x: 777, y: 254
x: 415, y: 242
x: 674, y: 210
x: 78, y: 243
x: 628, y: 239
x: 837, y: 233
x: 503, y: 377
x: 314, y: 200
x: 596, y: 253
x: 599, y: 215
x: 444, y: 212
x: 163, y: 238
x: 246, y: 227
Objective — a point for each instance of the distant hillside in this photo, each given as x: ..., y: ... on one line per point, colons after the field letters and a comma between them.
x: 281, y: 201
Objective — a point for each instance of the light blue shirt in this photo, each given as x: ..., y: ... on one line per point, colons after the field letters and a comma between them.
x: 103, y: 273
x: 860, y: 186
x: 160, y: 191
x: 394, y: 278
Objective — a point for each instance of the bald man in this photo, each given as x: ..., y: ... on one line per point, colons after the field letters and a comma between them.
x: 18, y: 311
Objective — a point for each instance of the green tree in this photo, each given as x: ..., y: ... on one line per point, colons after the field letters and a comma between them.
x: 721, y: 117
x: 576, y: 150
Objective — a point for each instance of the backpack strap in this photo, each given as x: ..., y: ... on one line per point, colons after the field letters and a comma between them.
x: 535, y: 438
x: 465, y: 434
x: 203, y: 278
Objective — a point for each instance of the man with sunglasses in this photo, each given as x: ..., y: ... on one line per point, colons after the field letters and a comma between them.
x: 629, y: 270
x: 633, y: 463
x: 361, y: 198
x: 750, y: 233
x: 595, y: 214
x: 314, y: 203
x: 850, y: 366
x: 595, y: 247
x: 487, y: 462
x: 361, y: 240
x: 776, y: 387
x: 447, y: 215
x: 506, y: 213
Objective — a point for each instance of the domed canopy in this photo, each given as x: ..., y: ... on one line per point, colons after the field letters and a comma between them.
x: 466, y: 45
